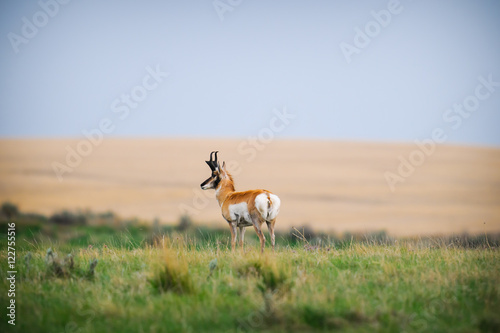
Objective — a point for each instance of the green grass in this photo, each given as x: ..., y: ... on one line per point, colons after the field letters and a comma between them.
x: 410, y: 286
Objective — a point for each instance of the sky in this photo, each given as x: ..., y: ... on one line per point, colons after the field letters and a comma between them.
x: 340, y: 70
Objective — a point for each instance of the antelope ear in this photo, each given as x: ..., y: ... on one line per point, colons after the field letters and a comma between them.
x: 223, y: 169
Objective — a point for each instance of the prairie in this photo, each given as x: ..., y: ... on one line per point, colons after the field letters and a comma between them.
x: 330, y: 186
x: 422, y: 258
x: 182, y: 283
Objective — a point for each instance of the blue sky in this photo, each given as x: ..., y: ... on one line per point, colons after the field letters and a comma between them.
x: 231, y: 63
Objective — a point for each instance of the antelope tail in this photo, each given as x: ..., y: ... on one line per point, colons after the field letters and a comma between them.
x: 273, y: 206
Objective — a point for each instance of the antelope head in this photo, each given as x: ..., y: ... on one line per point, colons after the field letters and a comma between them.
x: 215, y: 178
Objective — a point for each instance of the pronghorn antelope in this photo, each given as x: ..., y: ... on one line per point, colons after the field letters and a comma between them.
x: 242, y: 209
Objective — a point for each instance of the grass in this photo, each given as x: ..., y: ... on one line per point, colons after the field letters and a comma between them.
x: 88, y: 272
x: 175, y: 284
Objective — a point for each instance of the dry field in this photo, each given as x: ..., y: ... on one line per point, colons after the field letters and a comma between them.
x: 331, y: 186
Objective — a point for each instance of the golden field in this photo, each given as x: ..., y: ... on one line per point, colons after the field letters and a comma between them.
x: 330, y: 186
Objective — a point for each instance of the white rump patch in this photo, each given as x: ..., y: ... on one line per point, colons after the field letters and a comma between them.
x: 275, y: 206
x: 267, y: 210
x: 261, y: 204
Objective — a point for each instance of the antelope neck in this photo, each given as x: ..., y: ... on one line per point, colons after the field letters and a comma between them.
x: 224, y: 188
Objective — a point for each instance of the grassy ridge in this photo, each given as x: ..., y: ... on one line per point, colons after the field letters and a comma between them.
x: 173, y: 283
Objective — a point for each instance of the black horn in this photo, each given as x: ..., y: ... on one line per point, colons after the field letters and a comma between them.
x: 212, y: 164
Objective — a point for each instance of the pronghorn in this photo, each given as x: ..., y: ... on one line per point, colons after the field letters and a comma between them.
x: 242, y: 209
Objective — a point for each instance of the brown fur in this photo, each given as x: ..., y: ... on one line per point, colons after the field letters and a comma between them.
x: 231, y: 198
x: 227, y: 196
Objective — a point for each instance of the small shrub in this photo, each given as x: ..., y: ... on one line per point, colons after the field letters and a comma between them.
x: 185, y: 223
x: 55, y: 266
x: 272, y: 282
x: 66, y: 267
x: 273, y: 278
x: 174, y: 276
x: 9, y: 210
x: 68, y: 218
x: 250, y: 268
